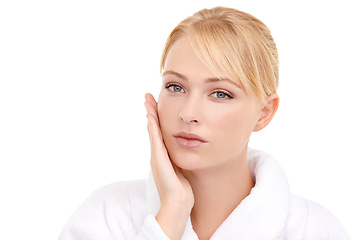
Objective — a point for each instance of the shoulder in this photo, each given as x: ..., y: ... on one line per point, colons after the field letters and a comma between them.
x: 106, y: 210
x: 310, y: 220
x: 122, y: 195
x: 125, y: 191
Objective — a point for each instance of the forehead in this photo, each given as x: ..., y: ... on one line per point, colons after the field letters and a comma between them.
x: 182, y: 59
x: 183, y: 62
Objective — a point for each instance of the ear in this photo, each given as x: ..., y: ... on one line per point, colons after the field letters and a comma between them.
x: 268, y: 111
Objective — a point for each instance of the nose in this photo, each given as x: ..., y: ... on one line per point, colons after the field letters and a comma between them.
x: 190, y: 111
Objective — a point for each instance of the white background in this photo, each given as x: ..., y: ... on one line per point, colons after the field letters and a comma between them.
x: 72, y: 80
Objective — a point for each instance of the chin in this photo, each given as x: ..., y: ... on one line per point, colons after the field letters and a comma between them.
x: 187, y: 160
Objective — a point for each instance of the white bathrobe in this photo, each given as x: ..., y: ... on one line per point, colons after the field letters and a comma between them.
x: 126, y: 210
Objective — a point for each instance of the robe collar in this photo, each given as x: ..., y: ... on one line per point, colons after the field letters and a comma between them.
x: 261, y: 215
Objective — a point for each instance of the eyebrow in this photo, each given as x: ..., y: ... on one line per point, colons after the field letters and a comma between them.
x: 183, y: 77
x: 208, y: 80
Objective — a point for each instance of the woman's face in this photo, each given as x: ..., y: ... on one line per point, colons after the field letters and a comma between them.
x: 194, y: 101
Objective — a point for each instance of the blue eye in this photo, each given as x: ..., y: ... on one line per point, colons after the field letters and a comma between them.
x: 175, y: 88
x: 221, y: 95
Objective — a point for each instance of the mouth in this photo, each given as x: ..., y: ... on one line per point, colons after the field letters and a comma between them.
x: 189, y: 140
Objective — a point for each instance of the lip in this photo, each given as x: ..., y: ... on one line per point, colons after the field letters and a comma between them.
x: 189, y: 140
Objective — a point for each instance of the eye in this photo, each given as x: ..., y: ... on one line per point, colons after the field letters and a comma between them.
x: 221, y: 95
x: 174, y: 88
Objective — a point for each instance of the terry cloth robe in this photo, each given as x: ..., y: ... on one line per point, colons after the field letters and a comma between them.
x: 127, y: 210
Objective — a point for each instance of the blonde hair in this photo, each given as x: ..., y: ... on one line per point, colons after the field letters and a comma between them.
x: 232, y: 43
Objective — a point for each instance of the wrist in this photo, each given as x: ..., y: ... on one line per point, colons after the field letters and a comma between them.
x: 172, y: 218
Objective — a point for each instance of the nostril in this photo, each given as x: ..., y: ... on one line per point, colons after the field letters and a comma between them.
x: 188, y: 121
x: 189, y: 114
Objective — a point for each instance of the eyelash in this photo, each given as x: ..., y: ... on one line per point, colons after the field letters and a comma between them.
x: 168, y: 86
x: 229, y: 96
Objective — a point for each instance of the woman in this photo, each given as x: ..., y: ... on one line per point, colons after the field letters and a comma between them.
x: 220, y: 78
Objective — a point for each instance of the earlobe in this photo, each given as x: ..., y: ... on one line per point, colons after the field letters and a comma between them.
x: 268, y: 112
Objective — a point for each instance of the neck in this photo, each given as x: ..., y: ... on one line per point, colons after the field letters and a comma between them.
x: 217, y: 192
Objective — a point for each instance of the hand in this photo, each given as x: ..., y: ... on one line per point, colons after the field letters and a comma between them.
x: 175, y: 191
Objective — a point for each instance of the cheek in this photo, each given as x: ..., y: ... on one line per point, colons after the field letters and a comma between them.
x: 232, y: 127
x: 167, y: 111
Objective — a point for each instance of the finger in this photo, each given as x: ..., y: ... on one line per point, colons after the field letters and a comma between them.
x: 153, y: 120
x: 160, y: 161
x: 149, y: 97
x: 151, y: 111
x: 151, y: 105
x: 153, y: 127
x: 160, y: 157
x: 155, y: 135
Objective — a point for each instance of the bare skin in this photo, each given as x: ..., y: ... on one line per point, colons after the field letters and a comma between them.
x: 207, y: 182
x: 175, y: 191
